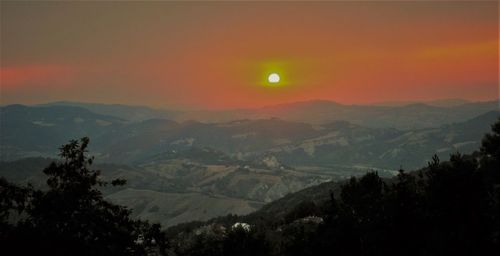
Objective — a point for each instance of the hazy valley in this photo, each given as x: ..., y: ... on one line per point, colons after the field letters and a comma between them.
x: 181, y: 171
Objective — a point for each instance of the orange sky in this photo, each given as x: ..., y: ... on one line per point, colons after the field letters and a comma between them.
x: 214, y: 54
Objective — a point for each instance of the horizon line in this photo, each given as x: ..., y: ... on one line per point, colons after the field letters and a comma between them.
x: 387, y: 103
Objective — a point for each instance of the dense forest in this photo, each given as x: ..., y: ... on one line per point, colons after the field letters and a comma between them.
x: 447, y: 208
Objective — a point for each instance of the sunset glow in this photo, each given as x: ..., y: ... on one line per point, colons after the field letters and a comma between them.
x: 219, y: 55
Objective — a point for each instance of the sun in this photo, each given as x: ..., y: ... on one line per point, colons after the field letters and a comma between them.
x: 273, y: 78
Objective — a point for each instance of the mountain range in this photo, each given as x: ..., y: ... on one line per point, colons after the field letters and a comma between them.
x: 39, y: 130
x: 400, y: 115
x: 181, y: 170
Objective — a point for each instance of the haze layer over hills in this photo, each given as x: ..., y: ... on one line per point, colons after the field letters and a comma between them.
x: 180, y: 169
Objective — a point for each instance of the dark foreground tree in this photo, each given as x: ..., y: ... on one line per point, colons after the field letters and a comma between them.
x: 72, y: 217
x: 448, y: 208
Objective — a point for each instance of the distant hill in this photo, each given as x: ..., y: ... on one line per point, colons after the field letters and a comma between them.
x: 397, y: 114
x: 38, y: 131
x: 435, y: 103
x: 332, y: 145
x: 126, y: 112
x: 386, y: 148
x: 406, y: 116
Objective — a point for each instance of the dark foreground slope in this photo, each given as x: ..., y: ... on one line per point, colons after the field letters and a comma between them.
x: 447, y: 208
x: 71, y: 217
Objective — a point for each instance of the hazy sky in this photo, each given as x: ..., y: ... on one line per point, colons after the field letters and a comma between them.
x: 217, y: 54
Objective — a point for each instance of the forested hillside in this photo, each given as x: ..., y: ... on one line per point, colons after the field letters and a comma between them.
x: 447, y: 208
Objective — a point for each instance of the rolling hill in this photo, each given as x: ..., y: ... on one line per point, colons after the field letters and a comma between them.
x: 38, y: 131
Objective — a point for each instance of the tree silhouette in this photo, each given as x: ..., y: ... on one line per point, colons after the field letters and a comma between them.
x: 72, y: 217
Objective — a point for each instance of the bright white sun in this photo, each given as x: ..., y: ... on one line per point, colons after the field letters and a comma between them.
x: 273, y: 78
